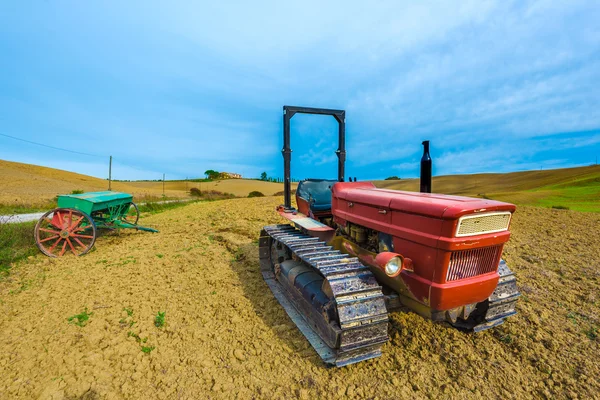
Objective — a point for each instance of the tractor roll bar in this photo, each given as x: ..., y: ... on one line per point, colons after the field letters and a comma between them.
x: 288, y: 113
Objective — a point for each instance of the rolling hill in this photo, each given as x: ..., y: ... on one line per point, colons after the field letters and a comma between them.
x: 575, y: 188
x: 33, y: 185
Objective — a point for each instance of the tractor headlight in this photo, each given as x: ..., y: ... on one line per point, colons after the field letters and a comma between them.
x: 392, y: 263
x: 393, y: 266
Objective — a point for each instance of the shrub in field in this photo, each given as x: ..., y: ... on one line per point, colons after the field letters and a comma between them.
x: 293, y: 191
x: 560, y: 207
x: 77, y: 191
x: 255, y: 193
x: 216, y: 195
x: 211, y: 194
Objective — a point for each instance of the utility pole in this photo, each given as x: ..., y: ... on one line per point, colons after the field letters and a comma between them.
x: 109, y: 172
x: 163, y: 185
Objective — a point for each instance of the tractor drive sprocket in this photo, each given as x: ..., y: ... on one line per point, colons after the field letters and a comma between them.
x: 352, y: 325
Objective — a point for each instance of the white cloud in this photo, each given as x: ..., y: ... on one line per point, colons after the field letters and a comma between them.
x: 196, y: 85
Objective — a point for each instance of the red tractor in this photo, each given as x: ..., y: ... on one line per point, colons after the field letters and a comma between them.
x: 353, y: 253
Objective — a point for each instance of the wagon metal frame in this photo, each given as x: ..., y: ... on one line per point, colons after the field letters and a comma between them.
x: 73, y: 226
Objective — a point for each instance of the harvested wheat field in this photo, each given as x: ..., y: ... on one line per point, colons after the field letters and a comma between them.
x: 33, y: 185
x: 237, y: 187
x: 27, y: 184
x: 225, y: 336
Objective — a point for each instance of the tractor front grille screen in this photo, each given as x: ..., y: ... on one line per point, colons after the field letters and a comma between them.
x: 473, y: 262
x: 478, y: 224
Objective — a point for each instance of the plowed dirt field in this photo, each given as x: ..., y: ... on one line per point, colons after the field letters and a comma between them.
x: 225, y: 336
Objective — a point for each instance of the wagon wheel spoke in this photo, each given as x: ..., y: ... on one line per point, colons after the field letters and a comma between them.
x: 60, y: 219
x: 79, y: 241
x: 64, y: 247
x: 71, y: 246
x: 48, y: 238
x: 76, y: 224
x: 81, y: 236
x: 49, y: 230
x: 82, y: 229
x: 50, y: 223
x: 54, y: 245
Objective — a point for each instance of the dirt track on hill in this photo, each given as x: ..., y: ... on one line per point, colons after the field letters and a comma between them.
x: 227, y: 337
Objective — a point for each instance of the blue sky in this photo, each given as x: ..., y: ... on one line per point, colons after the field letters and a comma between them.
x: 182, y: 87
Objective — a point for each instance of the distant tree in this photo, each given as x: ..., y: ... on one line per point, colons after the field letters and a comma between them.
x: 263, y: 176
x: 392, y: 178
x: 211, y: 174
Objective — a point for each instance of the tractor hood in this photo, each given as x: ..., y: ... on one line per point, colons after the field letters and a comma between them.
x: 431, y: 205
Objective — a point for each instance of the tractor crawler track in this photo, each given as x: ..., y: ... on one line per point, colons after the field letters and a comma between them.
x: 499, y: 306
x: 502, y: 303
x: 362, y: 318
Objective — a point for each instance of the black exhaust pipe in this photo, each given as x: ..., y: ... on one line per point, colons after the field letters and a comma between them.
x: 426, y: 169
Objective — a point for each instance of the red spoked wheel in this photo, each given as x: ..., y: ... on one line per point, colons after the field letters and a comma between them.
x: 65, y: 230
x: 132, y: 215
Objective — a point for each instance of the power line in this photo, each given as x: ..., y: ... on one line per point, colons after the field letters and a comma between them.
x: 117, y: 161
x: 52, y: 147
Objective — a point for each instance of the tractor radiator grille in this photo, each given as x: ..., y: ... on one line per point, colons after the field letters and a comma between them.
x: 470, y: 263
x: 470, y: 225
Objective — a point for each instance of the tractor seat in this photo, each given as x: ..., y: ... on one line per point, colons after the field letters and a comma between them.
x: 317, y: 192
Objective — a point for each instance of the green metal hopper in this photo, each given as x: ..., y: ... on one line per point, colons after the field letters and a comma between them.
x: 73, y: 225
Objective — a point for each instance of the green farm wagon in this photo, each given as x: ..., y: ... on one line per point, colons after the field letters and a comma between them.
x: 73, y: 226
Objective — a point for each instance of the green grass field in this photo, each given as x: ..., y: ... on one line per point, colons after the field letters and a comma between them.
x: 16, y: 243
x: 573, y: 188
x: 580, y: 194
